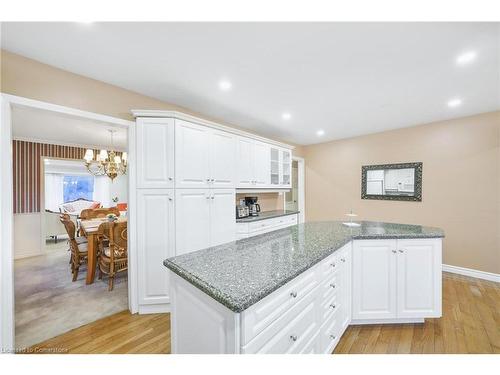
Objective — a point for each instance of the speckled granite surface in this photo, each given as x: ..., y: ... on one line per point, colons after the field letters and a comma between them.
x: 241, y: 273
x: 266, y: 215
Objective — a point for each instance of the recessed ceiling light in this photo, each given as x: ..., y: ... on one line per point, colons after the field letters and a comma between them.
x: 320, y: 133
x: 225, y: 85
x: 454, y: 103
x: 466, y: 58
x: 286, y: 116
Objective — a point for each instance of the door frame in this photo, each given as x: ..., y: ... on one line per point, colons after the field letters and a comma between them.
x: 301, y: 164
x: 7, y: 102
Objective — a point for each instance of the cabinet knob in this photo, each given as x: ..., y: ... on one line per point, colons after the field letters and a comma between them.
x: 293, y: 337
x: 394, y: 251
x: 212, y: 179
x: 170, y: 199
x: 332, y: 306
x: 401, y: 251
x: 293, y: 294
x: 333, y: 337
x: 332, y: 264
x: 212, y: 197
x: 332, y: 285
x: 170, y: 178
x: 343, y: 259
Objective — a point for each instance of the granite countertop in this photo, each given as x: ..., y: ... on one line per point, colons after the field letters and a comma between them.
x: 240, y: 273
x: 266, y: 215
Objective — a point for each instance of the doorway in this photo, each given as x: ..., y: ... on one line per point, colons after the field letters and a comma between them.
x: 46, y: 276
x: 295, y: 198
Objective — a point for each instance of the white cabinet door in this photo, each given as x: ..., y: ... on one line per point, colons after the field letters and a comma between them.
x: 244, y: 162
x: 222, y: 159
x: 374, y: 279
x: 192, y: 213
x: 192, y: 156
x: 155, y: 153
x: 286, y: 168
x: 419, y: 278
x: 155, y: 243
x: 222, y: 216
x: 345, y: 287
x: 261, y: 164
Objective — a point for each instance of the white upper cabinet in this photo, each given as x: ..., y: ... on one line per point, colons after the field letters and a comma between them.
x: 155, y: 243
x: 261, y: 166
x: 244, y: 162
x: 253, y: 166
x: 419, y: 278
x: 374, y: 279
x: 204, y: 218
x: 192, y: 155
x: 286, y: 168
x: 155, y: 153
x: 222, y: 159
x: 204, y: 157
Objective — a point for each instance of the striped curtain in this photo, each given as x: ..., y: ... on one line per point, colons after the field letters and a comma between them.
x: 27, y: 177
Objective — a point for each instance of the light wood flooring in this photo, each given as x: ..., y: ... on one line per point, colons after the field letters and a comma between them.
x: 470, y: 324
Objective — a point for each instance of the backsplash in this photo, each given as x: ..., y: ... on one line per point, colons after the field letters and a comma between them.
x: 267, y: 201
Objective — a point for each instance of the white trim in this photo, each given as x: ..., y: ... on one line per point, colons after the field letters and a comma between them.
x: 472, y: 273
x: 25, y: 102
x: 301, y: 187
x: 6, y: 211
x: 387, y: 321
x: 133, y: 268
x: 6, y: 230
x: 159, y: 308
x: 200, y: 121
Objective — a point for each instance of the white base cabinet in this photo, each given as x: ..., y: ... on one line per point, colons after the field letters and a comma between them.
x: 364, y: 281
x: 396, y: 279
x: 155, y: 243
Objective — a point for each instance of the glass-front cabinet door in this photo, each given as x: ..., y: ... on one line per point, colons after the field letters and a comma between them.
x: 275, y: 166
x: 286, y: 167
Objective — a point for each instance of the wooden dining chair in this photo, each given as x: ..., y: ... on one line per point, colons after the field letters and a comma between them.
x: 90, y: 213
x: 77, y: 246
x: 113, y: 258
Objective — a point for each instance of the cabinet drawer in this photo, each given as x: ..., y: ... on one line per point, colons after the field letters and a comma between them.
x: 329, y: 334
x: 261, y: 224
x: 259, y: 316
x: 291, y: 333
x: 327, y: 307
x: 285, y: 221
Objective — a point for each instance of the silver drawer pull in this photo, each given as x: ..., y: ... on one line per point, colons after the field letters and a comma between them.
x: 333, y: 337
x: 343, y: 259
x: 170, y: 178
x: 332, y: 264
x: 332, y: 285
x: 394, y: 251
x: 332, y: 306
x: 401, y: 251
x: 293, y: 294
x: 293, y: 337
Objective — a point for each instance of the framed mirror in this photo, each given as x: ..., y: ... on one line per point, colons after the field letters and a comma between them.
x: 395, y: 182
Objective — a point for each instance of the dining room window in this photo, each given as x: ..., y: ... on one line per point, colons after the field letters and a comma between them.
x: 75, y: 187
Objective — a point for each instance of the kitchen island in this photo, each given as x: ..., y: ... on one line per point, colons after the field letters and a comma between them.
x: 298, y: 288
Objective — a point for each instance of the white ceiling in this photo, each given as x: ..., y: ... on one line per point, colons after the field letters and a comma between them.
x: 347, y: 79
x: 56, y: 128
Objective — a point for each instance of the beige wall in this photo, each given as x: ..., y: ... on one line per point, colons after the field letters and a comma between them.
x: 461, y: 183
x: 267, y: 201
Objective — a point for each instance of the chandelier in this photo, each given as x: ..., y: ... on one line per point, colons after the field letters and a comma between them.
x: 106, y: 162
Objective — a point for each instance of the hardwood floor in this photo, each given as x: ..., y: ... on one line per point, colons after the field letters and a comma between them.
x: 470, y: 324
x: 116, y: 334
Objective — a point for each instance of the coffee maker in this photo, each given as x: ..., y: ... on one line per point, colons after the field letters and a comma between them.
x: 253, y: 206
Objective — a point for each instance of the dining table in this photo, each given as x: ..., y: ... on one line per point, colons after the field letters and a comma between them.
x: 90, y: 229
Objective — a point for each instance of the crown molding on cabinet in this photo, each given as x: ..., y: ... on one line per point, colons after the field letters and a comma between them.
x: 200, y: 121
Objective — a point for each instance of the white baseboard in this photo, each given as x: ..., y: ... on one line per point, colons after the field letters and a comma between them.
x: 387, y: 321
x: 154, y: 309
x: 472, y: 273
